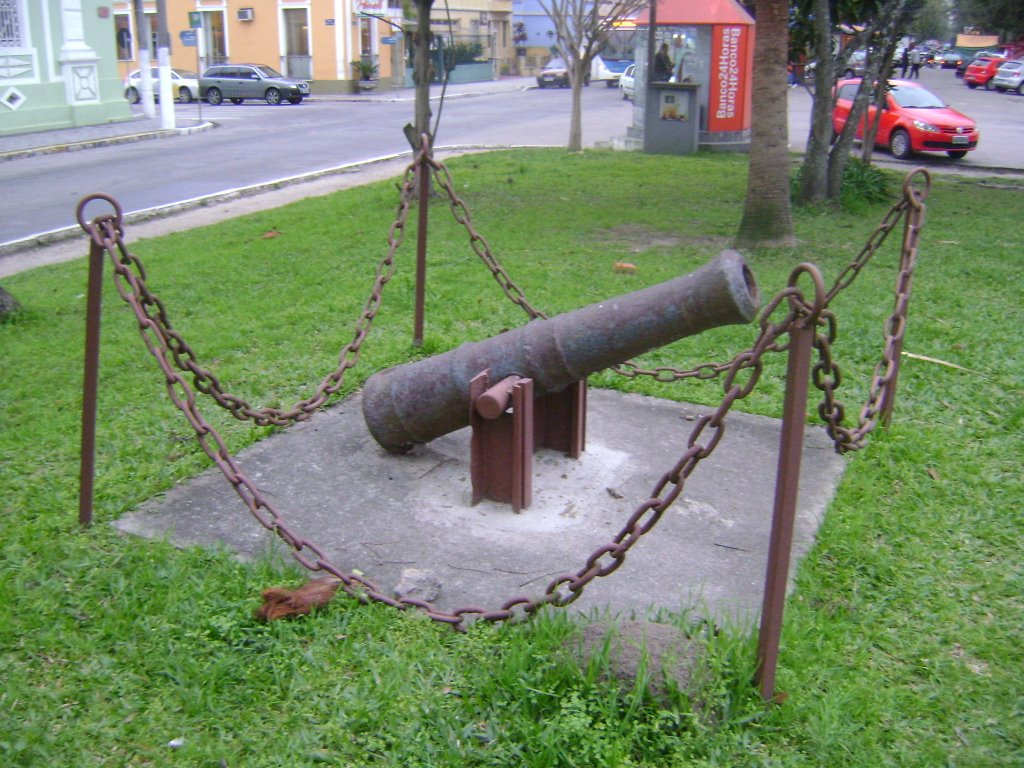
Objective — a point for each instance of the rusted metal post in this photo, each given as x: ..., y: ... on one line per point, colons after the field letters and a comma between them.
x: 423, y: 185
x: 90, y: 385
x: 787, y: 486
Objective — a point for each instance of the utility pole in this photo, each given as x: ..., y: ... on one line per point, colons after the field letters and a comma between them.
x: 163, y: 57
x: 142, y: 38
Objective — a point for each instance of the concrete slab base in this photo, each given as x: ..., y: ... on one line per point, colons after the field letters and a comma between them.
x: 383, y: 514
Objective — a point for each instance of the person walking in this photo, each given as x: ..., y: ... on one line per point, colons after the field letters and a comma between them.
x: 915, y: 62
x: 904, y: 63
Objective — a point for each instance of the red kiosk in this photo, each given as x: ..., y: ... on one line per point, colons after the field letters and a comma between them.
x: 711, y: 43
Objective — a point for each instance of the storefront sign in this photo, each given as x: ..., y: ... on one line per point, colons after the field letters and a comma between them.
x: 730, y: 75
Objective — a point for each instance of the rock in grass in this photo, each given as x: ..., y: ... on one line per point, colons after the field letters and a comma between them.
x: 8, y: 305
x: 669, y: 658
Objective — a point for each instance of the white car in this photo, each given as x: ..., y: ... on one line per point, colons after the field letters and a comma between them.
x: 1010, y: 77
x: 627, y: 82
x: 184, y: 85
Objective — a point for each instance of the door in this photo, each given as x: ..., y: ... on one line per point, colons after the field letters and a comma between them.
x: 296, y: 43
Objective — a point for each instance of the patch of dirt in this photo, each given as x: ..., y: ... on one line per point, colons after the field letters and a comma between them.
x: 639, y: 239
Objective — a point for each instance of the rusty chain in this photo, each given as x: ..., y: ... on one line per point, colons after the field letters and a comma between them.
x: 174, y: 358
x: 882, y: 389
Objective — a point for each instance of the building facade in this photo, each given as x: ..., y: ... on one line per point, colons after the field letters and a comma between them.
x: 58, y: 66
x: 317, y: 39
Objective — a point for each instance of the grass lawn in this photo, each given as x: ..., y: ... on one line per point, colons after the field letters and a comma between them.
x: 904, y: 640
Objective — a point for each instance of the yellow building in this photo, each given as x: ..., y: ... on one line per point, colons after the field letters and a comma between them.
x: 319, y: 39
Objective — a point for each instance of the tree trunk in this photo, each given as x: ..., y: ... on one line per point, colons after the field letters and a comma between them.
x: 422, y: 70
x: 575, y: 117
x: 767, y: 213
x: 814, y: 177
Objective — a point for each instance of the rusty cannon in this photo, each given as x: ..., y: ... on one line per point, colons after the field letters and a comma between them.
x: 418, y: 402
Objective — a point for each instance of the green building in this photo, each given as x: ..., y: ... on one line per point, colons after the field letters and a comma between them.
x: 58, y: 66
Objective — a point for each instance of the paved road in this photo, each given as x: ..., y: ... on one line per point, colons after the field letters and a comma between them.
x: 1000, y: 116
x: 256, y: 144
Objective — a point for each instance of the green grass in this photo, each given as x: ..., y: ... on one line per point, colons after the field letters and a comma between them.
x: 902, y: 644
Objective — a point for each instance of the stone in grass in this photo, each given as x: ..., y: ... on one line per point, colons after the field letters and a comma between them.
x: 418, y: 584
x: 8, y: 305
x: 671, y: 658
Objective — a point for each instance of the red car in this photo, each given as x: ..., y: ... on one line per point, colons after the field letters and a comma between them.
x: 913, y: 120
x: 981, y: 71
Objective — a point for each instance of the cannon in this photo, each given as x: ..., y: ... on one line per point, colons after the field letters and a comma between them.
x: 421, y: 401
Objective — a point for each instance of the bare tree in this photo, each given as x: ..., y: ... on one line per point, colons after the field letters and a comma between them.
x: 582, y: 28
x: 767, y: 212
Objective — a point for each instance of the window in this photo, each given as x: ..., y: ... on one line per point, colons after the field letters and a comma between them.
x: 12, y: 24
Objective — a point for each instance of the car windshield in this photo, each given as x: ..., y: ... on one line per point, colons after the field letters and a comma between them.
x: 1013, y: 66
x: 555, y: 64
x: 915, y: 98
x: 268, y: 72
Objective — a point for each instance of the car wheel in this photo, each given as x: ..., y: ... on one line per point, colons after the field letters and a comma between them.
x: 1020, y: 89
x: 624, y: 96
x: 294, y: 99
x: 988, y: 84
x: 214, y: 96
x: 133, y: 96
x: 899, y: 145
x: 237, y: 100
x: 273, y: 96
x: 957, y: 154
x: 184, y: 95
x: 970, y: 85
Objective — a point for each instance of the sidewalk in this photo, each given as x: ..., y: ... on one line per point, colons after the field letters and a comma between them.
x: 142, y: 128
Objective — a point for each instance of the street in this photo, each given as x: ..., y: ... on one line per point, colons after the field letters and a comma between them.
x: 254, y: 143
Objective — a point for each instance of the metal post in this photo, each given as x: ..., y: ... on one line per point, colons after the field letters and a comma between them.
x: 787, y: 485
x: 423, y: 179
x: 94, y: 303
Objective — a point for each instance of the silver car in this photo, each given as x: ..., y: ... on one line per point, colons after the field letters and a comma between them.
x: 238, y: 82
x: 1010, y: 77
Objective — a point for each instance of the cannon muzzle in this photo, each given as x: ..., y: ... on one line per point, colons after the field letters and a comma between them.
x: 418, y: 402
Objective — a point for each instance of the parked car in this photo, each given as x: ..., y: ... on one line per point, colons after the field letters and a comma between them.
x: 627, y: 82
x: 855, y: 65
x: 970, y: 59
x: 1010, y: 77
x: 981, y: 71
x: 184, y: 85
x: 237, y: 82
x: 556, y: 75
x: 950, y: 59
x: 913, y: 120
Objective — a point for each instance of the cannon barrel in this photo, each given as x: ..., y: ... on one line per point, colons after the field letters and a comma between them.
x: 418, y: 402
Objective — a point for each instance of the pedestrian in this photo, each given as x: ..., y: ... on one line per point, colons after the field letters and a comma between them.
x: 904, y: 63
x: 662, y: 64
x: 915, y: 62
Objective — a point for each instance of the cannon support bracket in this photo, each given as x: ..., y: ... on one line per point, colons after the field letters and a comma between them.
x: 509, y: 424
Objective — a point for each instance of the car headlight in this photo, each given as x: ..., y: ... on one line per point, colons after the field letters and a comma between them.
x: 927, y: 127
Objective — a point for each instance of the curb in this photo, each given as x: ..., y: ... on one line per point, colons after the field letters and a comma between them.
x: 104, y: 141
